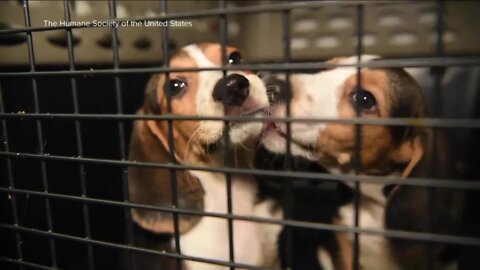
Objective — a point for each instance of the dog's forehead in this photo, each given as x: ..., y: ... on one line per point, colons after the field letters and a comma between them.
x: 207, y: 54
x: 214, y: 51
x: 183, y: 59
x: 335, y: 77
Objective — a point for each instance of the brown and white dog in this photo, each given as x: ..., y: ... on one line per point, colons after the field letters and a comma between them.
x: 199, y: 93
x: 384, y: 151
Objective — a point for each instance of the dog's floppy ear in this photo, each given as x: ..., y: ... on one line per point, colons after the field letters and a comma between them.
x: 407, y: 101
x: 419, y: 155
x: 152, y: 186
x: 423, y: 209
x: 411, y: 153
x: 162, y: 138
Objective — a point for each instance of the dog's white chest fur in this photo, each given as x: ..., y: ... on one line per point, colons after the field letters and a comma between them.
x: 254, y: 243
x: 374, y: 252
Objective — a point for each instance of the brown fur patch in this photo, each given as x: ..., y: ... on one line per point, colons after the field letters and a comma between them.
x: 181, y: 104
x: 337, y: 141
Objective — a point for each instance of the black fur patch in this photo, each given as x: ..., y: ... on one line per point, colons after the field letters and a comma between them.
x: 312, y: 200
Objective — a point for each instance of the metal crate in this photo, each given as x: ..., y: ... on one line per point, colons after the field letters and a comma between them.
x: 68, y: 97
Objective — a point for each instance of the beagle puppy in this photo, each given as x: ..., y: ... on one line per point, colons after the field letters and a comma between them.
x: 200, y: 143
x: 384, y: 151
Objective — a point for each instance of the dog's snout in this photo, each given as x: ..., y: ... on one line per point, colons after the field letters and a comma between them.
x: 237, y: 89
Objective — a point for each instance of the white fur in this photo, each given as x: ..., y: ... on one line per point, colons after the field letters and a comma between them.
x: 253, y: 242
x: 314, y: 95
x: 277, y: 144
x: 325, y: 259
x: 242, y: 131
x: 374, y: 251
x: 211, y: 131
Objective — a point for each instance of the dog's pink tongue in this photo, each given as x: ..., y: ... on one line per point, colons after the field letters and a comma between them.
x: 268, y: 126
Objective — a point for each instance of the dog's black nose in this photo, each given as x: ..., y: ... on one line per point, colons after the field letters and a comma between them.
x: 237, y: 87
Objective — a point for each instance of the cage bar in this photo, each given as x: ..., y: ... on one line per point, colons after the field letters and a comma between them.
x: 78, y: 139
x: 21, y: 263
x: 417, y: 236
x: 414, y: 122
x: 358, y: 141
x: 11, y: 183
x: 38, y: 126
x: 437, y: 74
x: 414, y: 181
x: 112, y: 8
x: 301, y: 66
x: 228, y: 153
x: 287, y: 186
x: 171, y: 143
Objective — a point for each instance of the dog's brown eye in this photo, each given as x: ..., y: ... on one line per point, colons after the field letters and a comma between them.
x: 364, y: 100
x: 176, y: 86
x: 235, y: 58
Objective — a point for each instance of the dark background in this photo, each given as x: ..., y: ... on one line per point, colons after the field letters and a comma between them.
x: 100, y: 140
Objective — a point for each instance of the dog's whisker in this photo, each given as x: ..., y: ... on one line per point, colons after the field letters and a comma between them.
x: 235, y: 159
x: 187, y: 148
x: 245, y: 147
x: 258, y: 146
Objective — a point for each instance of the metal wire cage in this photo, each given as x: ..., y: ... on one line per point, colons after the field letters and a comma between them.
x: 68, y: 94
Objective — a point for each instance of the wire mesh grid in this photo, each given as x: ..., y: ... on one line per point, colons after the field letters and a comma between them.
x: 14, y: 226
